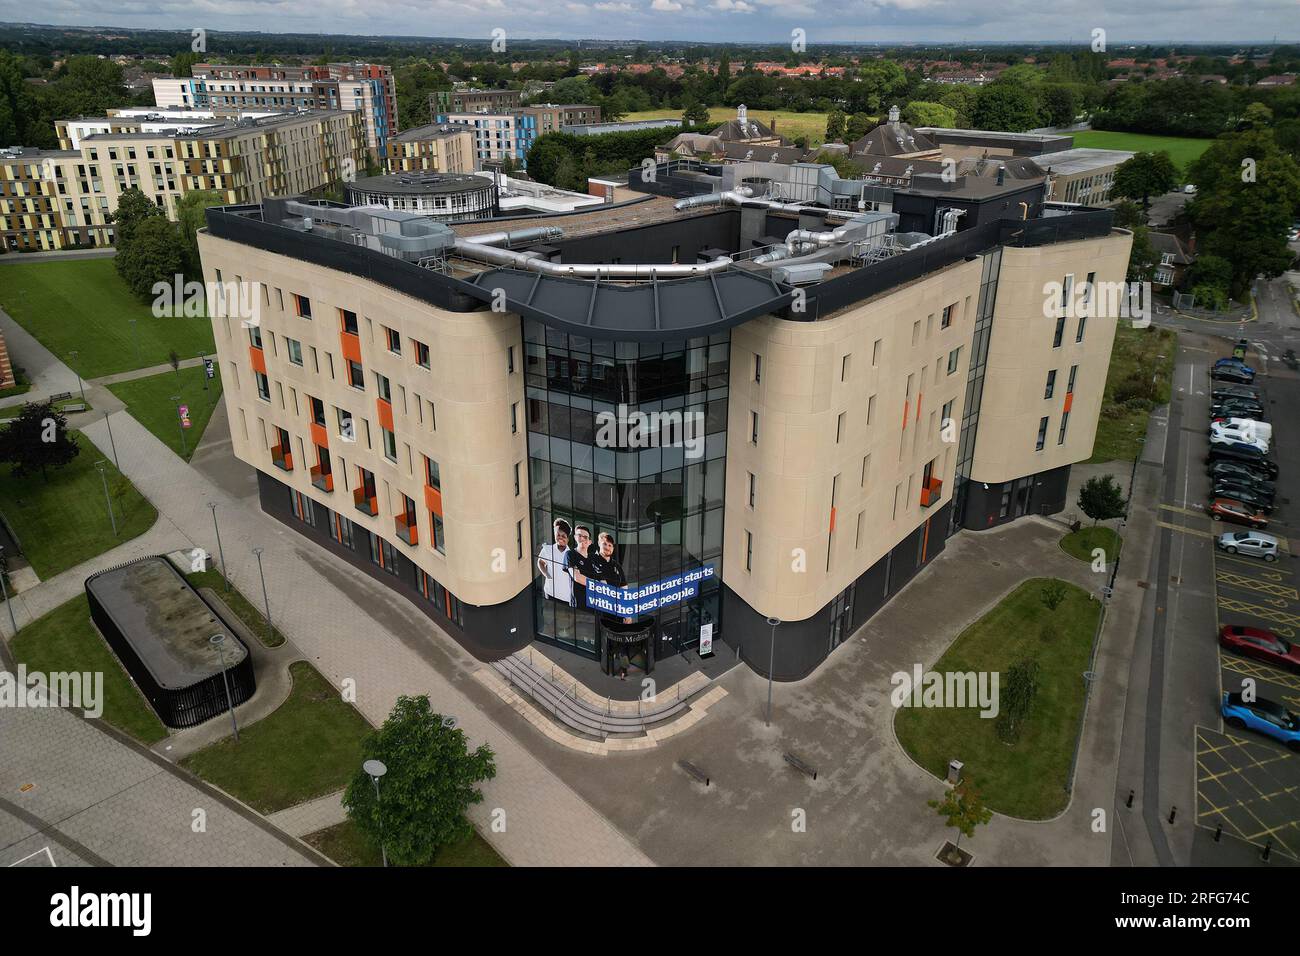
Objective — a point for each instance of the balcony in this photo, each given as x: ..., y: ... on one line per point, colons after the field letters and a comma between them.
x: 931, y: 491
x: 324, y: 480
x: 366, y: 504
x: 406, y: 529
x: 282, y: 457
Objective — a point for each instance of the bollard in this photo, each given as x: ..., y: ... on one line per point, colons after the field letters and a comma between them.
x: 1173, y: 811
x: 1129, y: 803
x: 1268, y: 848
x: 1218, y: 832
x: 954, y: 771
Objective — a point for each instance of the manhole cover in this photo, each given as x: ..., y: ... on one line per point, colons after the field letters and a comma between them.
x: 996, y: 564
x: 1143, y: 584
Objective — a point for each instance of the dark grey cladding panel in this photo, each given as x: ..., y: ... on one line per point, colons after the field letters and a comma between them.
x: 643, y: 312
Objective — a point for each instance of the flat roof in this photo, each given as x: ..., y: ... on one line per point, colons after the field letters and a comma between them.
x: 1081, y: 159
x: 431, y: 131
x: 166, y: 622
x: 421, y: 183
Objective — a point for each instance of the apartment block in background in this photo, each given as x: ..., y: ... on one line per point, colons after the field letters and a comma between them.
x: 435, y: 148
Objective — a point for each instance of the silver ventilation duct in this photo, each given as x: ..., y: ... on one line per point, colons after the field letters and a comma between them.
x: 732, y: 197
x: 535, y: 234
x: 533, y: 262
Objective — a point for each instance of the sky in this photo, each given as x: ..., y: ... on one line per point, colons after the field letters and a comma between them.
x: 768, y: 21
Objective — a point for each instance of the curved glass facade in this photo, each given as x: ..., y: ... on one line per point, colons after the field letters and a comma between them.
x: 627, y: 471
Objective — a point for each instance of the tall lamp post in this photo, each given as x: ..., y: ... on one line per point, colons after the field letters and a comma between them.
x: 81, y: 388
x: 217, y: 641
x: 771, y: 663
x: 266, y: 599
x: 5, y: 591
x: 220, y: 551
x: 112, y: 444
x: 103, y: 476
x: 376, y: 769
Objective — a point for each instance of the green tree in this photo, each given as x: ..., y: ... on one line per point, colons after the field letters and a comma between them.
x: 190, y: 219
x: 133, y: 208
x: 37, y: 439
x: 431, y: 780
x: 1004, y: 107
x: 1016, y: 698
x: 694, y: 113
x: 858, y: 126
x: 1129, y: 215
x: 1144, y: 176
x: 963, y: 809
x: 1211, y: 272
x: 1053, y: 594
x: 153, y: 254
x: 922, y: 113
x: 1142, y: 258
x: 183, y: 63
x: 1059, y: 104
x: 1100, y: 498
x: 836, y: 123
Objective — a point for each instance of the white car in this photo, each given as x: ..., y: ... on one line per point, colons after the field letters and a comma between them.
x: 1189, y: 189
x: 1235, y: 436
x: 1250, y: 426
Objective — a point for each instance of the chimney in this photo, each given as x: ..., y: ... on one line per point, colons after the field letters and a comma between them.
x: 742, y: 115
x: 1002, y: 174
x: 893, y: 115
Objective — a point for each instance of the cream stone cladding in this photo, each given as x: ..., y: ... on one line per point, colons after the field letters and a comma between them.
x: 467, y: 430
x: 1021, y: 354
x: 799, y: 399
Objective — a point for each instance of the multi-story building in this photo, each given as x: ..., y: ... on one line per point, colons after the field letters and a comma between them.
x: 367, y: 88
x: 508, y: 134
x: 470, y: 100
x: 551, y: 118
x: 448, y: 197
x: 1081, y: 175
x: 64, y: 198
x: 436, y: 148
x: 603, y: 431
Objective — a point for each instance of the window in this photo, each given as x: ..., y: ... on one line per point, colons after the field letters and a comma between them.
x: 945, y: 416
x: 514, y: 418
x: 758, y: 367
x: 1083, y: 320
x: 295, y: 350
x: 393, y: 340
x: 953, y: 358
x: 421, y: 354
x: 1067, y: 291
x: 1059, y: 334
x: 433, y: 476
x: 356, y: 376
x: 749, y: 551
x: 255, y: 336
x: 390, y: 444
x: 1069, y: 387
x: 1042, y: 434
x: 875, y: 354
x: 349, y: 321
x: 753, y: 428
x: 753, y: 484
x: 439, y: 534
x: 1051, y: 384
x: 844, y: 369
x: 916, y: 332
x: 317, y: 410
x: 871, y: 409
x: 866, y: 466
x: 519, y: 540
x: 517, y: 479
x: 347, y: 431
x: 510, y: 360
x: 1065, y: 420
x: 302, y: 306
x: 947, y: 316
x: 384, y: 386
x: 263, y: 386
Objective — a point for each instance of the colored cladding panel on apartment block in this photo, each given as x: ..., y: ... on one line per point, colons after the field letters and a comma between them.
x: 385, y: 412
x: 350, y: 346
x: 258, y: 359
x: 1069, y: 401
x: 433, y: 500
x: 319, y: 435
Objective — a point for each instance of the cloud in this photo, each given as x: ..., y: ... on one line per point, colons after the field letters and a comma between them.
x: 666, y: 6
x: 733, y: 6
x: 614, y: 7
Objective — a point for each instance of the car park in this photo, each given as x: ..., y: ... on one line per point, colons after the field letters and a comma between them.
x: 1248, y: 426
x: 1265, y: 716
x: 1260, y: 644
x: 1255, y: 543
x: 1235, y: 362
x: 1221, y: 392
x: 1246, y: 495
x: 1238, y: 409
x: 1243, y: 454
x: 1242, y: 474
x: 1229, y: 509
x: 1224, y: 435
x: 1233, y: 373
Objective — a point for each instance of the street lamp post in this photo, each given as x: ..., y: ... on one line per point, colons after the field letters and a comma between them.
x: 771, y: 663
x: 5, y: 591
x: 109, y: 425
x: 81, y: 388
x: 217, y: 640
x: 266, y: 599
x: 103, y: 476
x: 180, y: 424
x: 220, y: 551
x: 376, y: 769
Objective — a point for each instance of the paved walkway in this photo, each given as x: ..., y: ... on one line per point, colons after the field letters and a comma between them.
x: 47, y: 374
x: 311, y: 816
x: 132, y: 374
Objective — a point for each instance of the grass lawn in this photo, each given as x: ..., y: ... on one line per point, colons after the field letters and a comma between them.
x: 149, y: 400
x: 1181, y: 149
x: 253, y: 618
x: 1026, y: 779
x: 65, y: 640
x: 788, y: 124
x: 1145, y: 351
x: 1080, y: 544
x: 64, y: 521
x: 83, y: 305
x: 310, y: 746
x: 347, y: 846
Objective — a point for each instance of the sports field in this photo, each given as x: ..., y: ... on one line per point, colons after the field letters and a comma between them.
x: 1181, y: 149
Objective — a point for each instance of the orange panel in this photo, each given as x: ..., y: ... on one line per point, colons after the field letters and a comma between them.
x: 919, y: 396
x: 905, y: 404
x: 433, y: 500
x: 925, y: 540
x: 832, y: 518
x: 319, y: 435
x: 1069, y: 400
x: 385, y: 410
x: 258, y: 358
x: 350, y: 345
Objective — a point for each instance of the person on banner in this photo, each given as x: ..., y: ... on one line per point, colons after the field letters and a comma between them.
x: 603, y: 566
x: 551, y: 562
x: 577, y: 565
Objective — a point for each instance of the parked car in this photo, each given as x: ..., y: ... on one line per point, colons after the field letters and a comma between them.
x: 1255, y: 543
x: 1242, y: 474
x: 1251, y: 426
x: 1225, y: 435
x: 1246, y: 455
x: 1233, y: 373
x: 1229, y: 509
x: 1262, y: 715
x: 1235, y: 361
x: 1243, y: 493
x: 1222, y: 392
x: 1260, y: 644
x: 1238, y: 408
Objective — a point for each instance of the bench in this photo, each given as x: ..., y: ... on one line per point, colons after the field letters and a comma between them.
x: 694, y: 771
x: 60, y: 396
x: 75, y: 407
x: 799, y: 765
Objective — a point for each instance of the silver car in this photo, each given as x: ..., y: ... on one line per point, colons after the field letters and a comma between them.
x: 1255, y: 543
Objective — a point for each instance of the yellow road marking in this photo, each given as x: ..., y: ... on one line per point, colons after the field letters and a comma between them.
x: 1266, y: 587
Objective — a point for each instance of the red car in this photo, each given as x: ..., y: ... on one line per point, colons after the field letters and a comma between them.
x: 1226, y: 509
x: 1261, y: 644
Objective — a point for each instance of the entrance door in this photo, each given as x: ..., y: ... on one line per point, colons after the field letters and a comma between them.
x: 1023, y: 487
x: 842, y: 617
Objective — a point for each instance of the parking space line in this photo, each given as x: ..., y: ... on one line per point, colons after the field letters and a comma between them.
x: 1184, y: 511
x: 1261, y: 671
x: 1266, y: 570
x: 1184, y: 529
x: 1246, y: 582
x: 1273, y: 615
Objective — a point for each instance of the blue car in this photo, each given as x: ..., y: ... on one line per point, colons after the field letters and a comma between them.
x: 1272, y: 720
x: 1235, y: 363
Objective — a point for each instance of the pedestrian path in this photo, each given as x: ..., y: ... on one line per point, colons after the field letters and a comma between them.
x: 311, y: 816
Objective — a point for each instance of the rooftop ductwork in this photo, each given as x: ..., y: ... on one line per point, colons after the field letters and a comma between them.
x: 533, y: 262
x: 733, y: 197
x: 519, y: 236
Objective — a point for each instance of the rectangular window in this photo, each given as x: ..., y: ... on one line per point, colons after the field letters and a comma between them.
x: 421, y: 354
x: 510, y: 360
x: 317, y: 410
x: 1083, y: 320
x: 839, y: 427
x: 384, y: 386
x: 866, y: 466
x: 875, y: 354
x: 439, y: 534
x: 514, y: 418
x: 347, y: 431
x: 255, y: 336
x: 753, y: 484
x: 858, y: 543
x: 1051, y: 384
x: 1069, y: 388
x: 753, y: 428
x: 519, y: 540
x: 1059, y: 334
x: 953, y: 358
x: 390, y: 444
x: 263, y: 386
x: 844, y: 369
x: 349, y: 321
x: 356, y: 376
x: 871, y: 409
x: 916, y: 332
x: 947, y: 316
x: 295, y: 351
x: 1067, y: 292
x: 758, y: 367
x: 749, y: 551
x: 517, y: 483
x: 432, y: 475
x: 393, y: 340
x: 1042, y: 434
x: 302, y: 306
x: 1065, y: 420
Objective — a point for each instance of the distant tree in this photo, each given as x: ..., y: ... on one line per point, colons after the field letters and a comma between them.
x: 133, y: 208
x: 1052, y: 594
x: 1059, y: 104
x: 1100, y: 498
x: 1016, y: 698
x: 1129, y: 215
x: 922, y: 113
x: 694, y: 113
x: 835, y: 126
x: 1142, y: 257
x: 1256, y: 116
x: 153, y: 254
x: 963, y: 809
x: 859, y: 125
x: 432, y: 779
x: 37, y: 439
x: 190, y: 219
x: 1004, y: 107
x: 183, y: 63
x: 1144, y: 176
